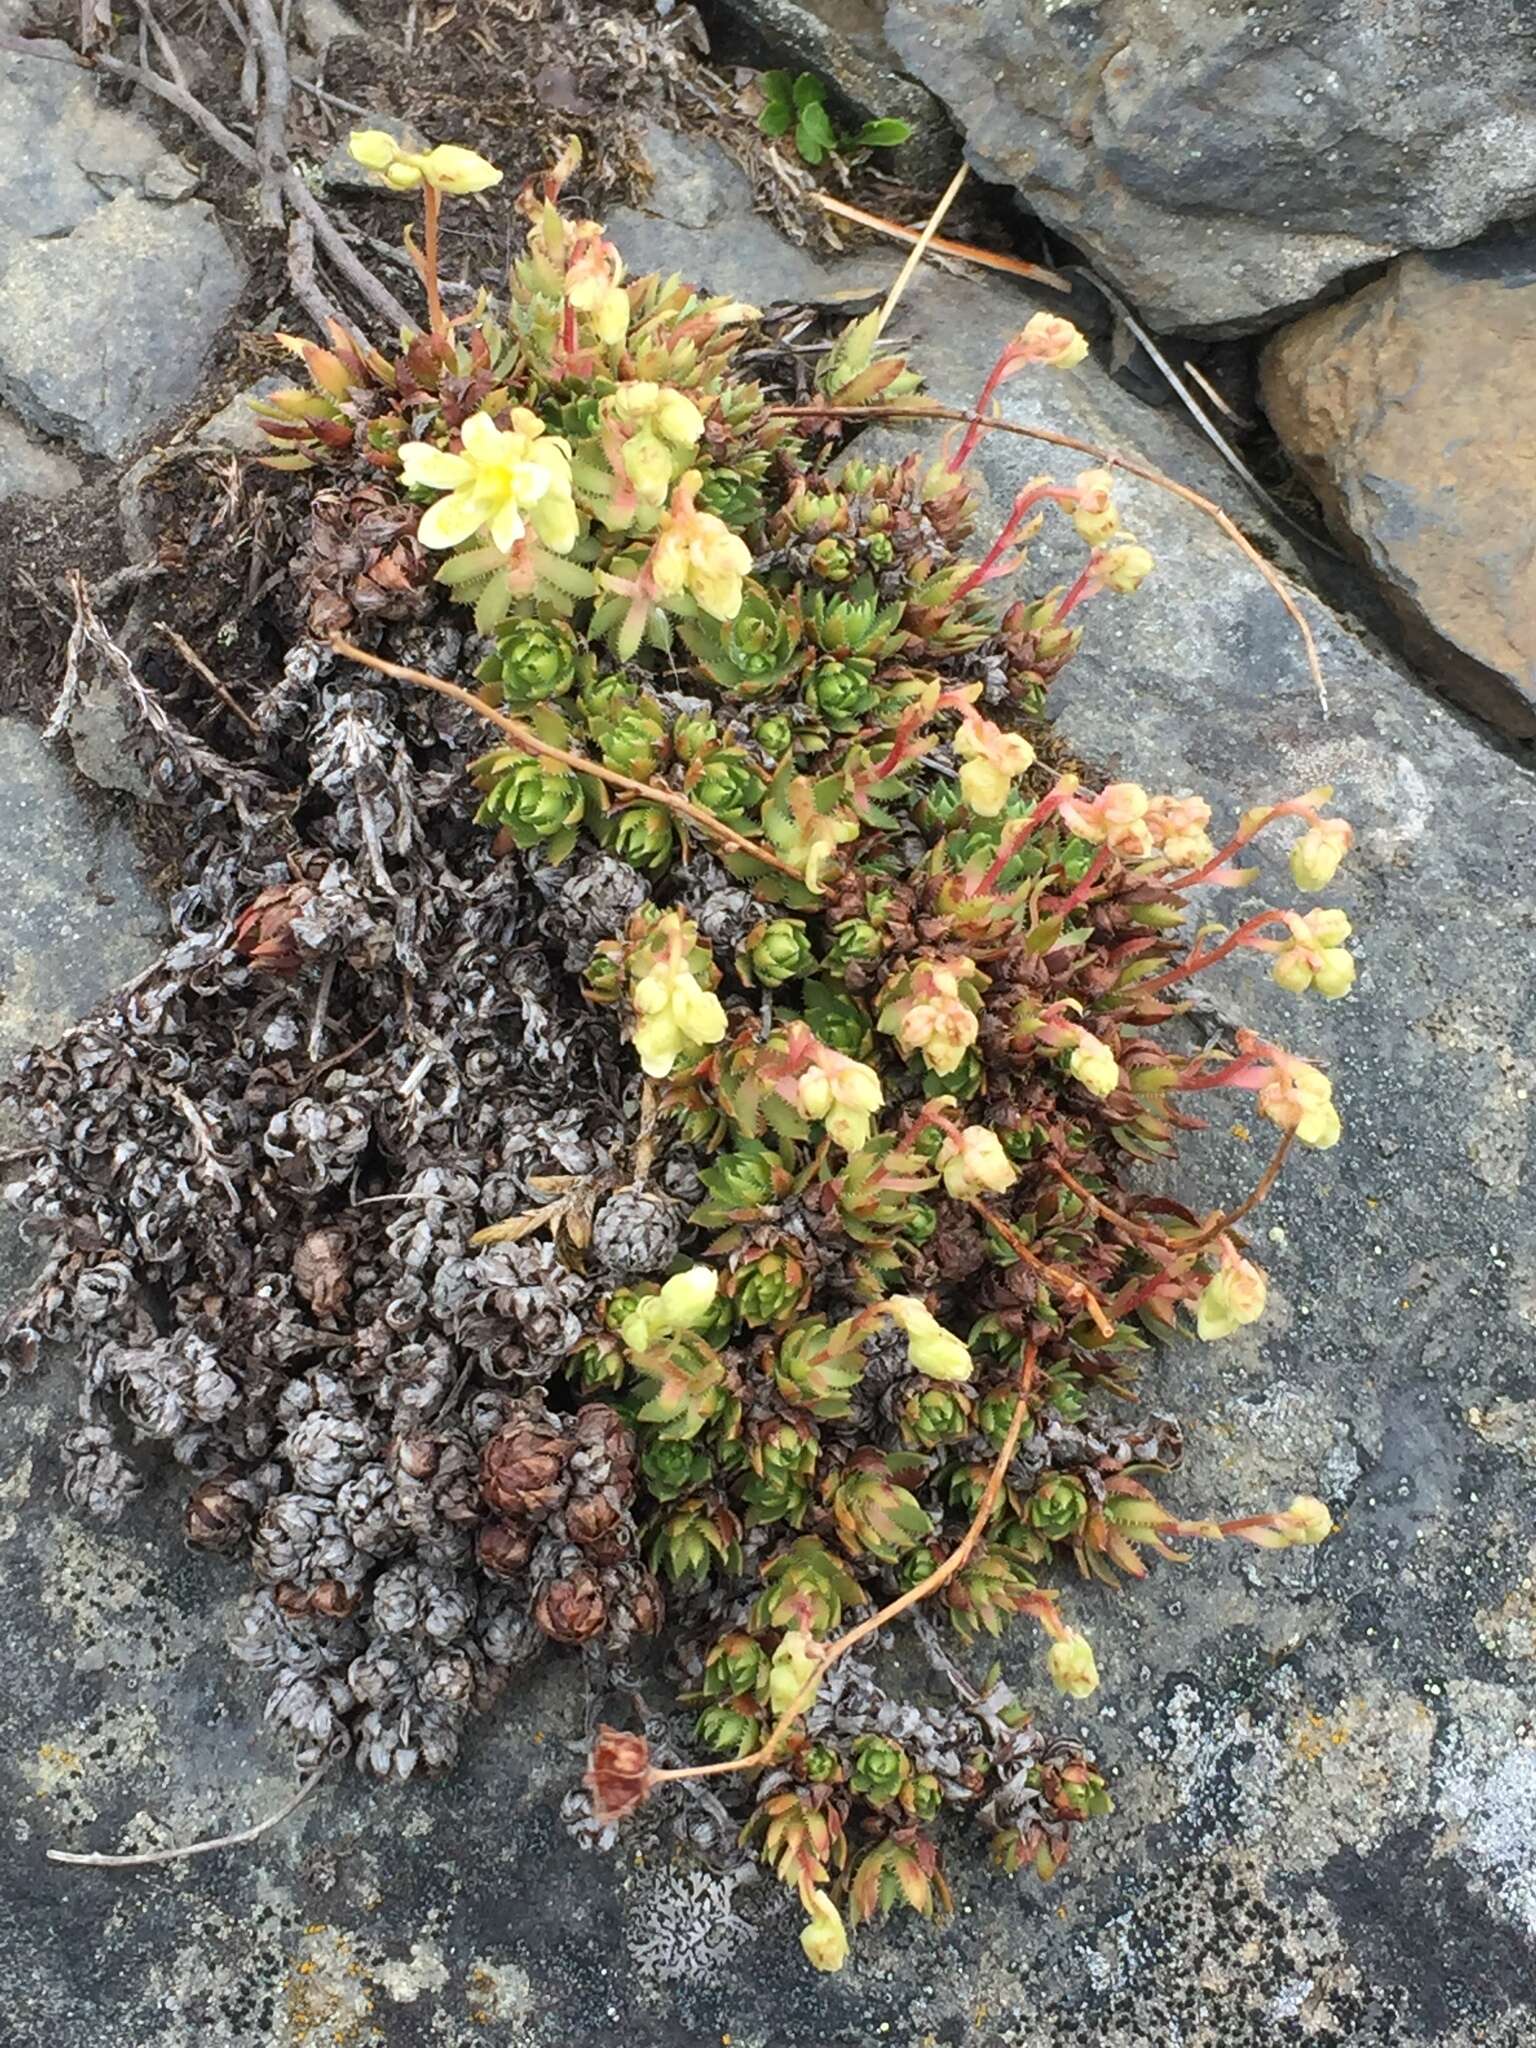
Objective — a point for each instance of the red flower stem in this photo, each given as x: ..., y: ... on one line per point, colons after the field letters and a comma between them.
x: 768, y: 1749
x: 967, y: 447
x: 1084, y: 888
x: 1198, y: 962
x: 1115, y: 1218
x: 431, y: 210
x: 1022, y: 504
x: 1013, y: 839
x: 1079, y: 589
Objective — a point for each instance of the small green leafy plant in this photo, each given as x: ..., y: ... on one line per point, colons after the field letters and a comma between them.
x: 796, y: 106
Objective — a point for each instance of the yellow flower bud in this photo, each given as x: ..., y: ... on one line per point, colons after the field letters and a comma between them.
x: 648, y: 465
x: 1094, y: 515
x: 457, y: 171
x: 824, y: 1937
x: 1049, y: 339
x: 1125, y: 568
x: 976, y: 1165
x: 1308, y: 1520
x: 985, y: 787
x: 794, y: 1663
x: 658, y: 1042
x: 372, y: 148
x: 687, y: 1298
x: 814, y: 1094
x: 1093, y: 1064
x: 1233, y: 1296
x: 1317, y: 853
x: 931, y: 1349
x: 849, y: 1128
x: 1071, y: 1666
x: 678, y: 419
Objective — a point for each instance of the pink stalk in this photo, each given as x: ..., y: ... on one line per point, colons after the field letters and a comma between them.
x: 1023, y: 504
x: 1198, y: 962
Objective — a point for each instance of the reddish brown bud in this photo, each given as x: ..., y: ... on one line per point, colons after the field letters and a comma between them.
x: 619, y: 1775
x: 216, y: 1519
x: 264, y: 929
x: 590, y: 1517
x: 322, y: 1270
x: 572, y: 1609
x: 503, y: 1549
x: 522, y: 1469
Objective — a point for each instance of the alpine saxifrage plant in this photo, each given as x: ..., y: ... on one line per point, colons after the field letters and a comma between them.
x: 890, y: 1371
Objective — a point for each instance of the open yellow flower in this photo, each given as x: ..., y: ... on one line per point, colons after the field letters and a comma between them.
x: 504, y: 482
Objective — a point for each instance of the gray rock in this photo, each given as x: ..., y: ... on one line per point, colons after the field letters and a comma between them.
x: 1226, y: 163
x: 1321, y: 1760
x: 234, y: 425
x: 68, y: 153
x: 840, y: 40
x: 104, y: 331
x: 1384, y: 402
x: 77, y: 919
x: 28, y: 470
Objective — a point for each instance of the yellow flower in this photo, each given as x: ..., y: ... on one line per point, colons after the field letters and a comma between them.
x: 1071, y: 1666
x: 843, y: 1094
x: 1233, y: 1296
x: 1118, y: 817
x: 1314, y: 956
x: 823, y: 1937
x: 501, y: 476
x: 932, y: 1350
x: 1316, y: 855
x: 977, y: 1164
x: 1094, y: 515
x: 593, y: 287
x: 1091, y: 1062
x: 698, y: 553
x: 1047, y: 338
x: 447, y: 168
x: 992, y: 759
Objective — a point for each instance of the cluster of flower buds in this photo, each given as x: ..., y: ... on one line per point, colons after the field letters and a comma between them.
x: 671, y: 980
x: 448, y: 168
x: 1234, y: 1295
x: 991, y: 762
x: 1088, y: 1059
x: 933, y: 1009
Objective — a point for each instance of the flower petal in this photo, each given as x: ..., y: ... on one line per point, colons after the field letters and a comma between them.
x: 481, y: 437
x: 449, y: 521
x: 421, y: 463
x: 507, y: 527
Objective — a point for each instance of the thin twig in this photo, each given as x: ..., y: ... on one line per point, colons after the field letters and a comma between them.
x: 526, y: 738
x: 339, y: 252
x: 194, y: 660
x: 1065, y: 1283
x: 301, y: 276
x: 347, y: 264
x: 921, y: 246
x: 987, y: 259
x: 237, y: 1840
x: 331, y: 99
x: 924, y: 409
x: 941, y: 1574
x: 1197, y: 413
x: 272, y: 121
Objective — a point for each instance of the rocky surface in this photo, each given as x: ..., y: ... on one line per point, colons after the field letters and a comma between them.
x: 1324, y: 1762
x: 30, y: 469
x: 840, y: 40
x: 1409, y: 409
x: 113, y: 281
x: 1225, y: 163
